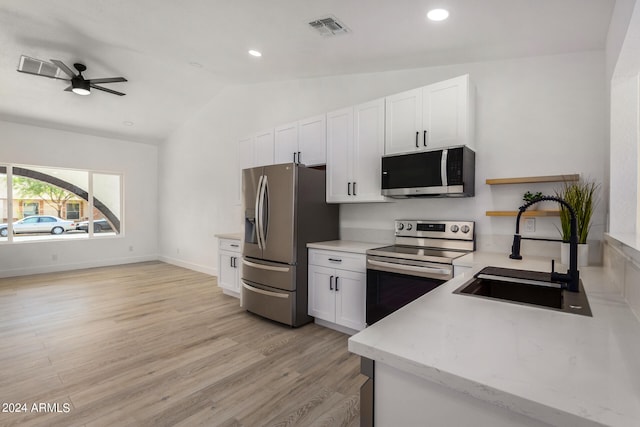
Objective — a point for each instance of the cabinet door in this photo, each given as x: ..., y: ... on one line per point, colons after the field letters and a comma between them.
x: 312, y: 141
x: 339, y: 155
x: 245, y: 161
x: 403, y: 122
x: 263, y: 146
x: 350, y: 299
x: 286, y: 143
x: 227, y: 272
x: 368, y: 136
x: 322, y: 299
x: 445, y: 108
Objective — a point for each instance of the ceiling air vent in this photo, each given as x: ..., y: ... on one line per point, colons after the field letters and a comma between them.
x: 328, y: 26
x: 36, y: 66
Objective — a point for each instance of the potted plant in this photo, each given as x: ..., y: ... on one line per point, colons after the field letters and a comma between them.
x: 582, y: 197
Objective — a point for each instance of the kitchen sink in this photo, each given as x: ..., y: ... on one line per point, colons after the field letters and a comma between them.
x: 526, y: 287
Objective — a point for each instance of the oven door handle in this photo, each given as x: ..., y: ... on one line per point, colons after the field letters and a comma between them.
x: 409, y: 267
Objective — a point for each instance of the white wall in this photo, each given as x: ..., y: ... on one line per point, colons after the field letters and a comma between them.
x: 31, y: 145
x: 535, y: 116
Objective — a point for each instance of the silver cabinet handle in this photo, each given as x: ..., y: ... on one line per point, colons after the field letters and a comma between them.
x: 265, y: 267
x: 348, y: 189
x: 337, y: 283
x: 354, y: 188
x: 330, y: 283
x: 267, y: 293
x: 294, y: 157
x: 335, y: 259
x: 234, y: 246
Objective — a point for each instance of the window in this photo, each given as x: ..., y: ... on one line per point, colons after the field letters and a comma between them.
x: 30, y: 208
x: 73, y: 210
x: 65, y: 203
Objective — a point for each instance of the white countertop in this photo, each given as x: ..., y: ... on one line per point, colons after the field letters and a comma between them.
x: 561, y: 368
x: 344, y: 246
x: 631, y: 240
x: 231, y: 236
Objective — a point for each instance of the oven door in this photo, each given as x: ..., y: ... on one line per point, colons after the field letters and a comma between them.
x: 393, y: 283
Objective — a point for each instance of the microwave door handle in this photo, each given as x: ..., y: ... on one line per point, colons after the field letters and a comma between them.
x: 443, y: 168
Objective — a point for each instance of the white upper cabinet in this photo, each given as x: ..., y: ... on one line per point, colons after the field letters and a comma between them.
x: 355, y: 143
x: 302, y: 142
x: 263, y: 148
x: 254, y: 150
x: 312, y: 134
x: 434, y: 116
x: 286, y: 143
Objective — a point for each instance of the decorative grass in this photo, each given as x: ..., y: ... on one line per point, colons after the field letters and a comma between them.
x: 582, y: 196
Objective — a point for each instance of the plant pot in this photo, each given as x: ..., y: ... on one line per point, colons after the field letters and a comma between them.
x: 583, y: 254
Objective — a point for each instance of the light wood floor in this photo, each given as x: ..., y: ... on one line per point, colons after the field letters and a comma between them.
x: 152, y: 344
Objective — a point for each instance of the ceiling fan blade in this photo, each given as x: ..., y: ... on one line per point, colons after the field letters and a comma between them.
x: 69, y: 88
x: 109, y: 80
x: 42, y: 75
x: 107, y: 90
x: 64, y: 68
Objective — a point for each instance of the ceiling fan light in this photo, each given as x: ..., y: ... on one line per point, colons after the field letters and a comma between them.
x: 80, y: 87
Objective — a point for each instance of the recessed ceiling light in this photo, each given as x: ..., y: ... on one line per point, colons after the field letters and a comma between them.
x: 195, y: 64
x: 438, y: 14
x: 255, y: 53
x: 127, y: 123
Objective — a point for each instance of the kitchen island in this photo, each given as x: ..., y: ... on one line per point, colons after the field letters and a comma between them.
x: 451, y: 359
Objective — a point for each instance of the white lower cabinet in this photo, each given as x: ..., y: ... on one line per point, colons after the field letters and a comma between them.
x: 229, y: 260
x: 337, y: 289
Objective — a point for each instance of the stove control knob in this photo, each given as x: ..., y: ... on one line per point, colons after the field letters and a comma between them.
x: 400, y: 226
x: 409, y: 226
x: 454, y: 228
x: 465, y: 229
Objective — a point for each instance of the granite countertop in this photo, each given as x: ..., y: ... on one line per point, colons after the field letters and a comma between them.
x: 560, y: 368
x: 344, y: 246
x: 231, y: 236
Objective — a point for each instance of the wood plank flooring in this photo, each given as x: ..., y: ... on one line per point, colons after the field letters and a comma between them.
x: 153, y: 344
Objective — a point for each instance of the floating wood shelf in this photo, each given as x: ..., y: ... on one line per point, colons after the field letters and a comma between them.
x: 526, y: 213
x: 534, y: 179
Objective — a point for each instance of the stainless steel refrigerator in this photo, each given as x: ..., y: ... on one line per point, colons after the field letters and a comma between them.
x: 284, y: 208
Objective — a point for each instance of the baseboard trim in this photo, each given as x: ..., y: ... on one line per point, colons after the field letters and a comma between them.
x: 191, y: 266
x: 75, y: 266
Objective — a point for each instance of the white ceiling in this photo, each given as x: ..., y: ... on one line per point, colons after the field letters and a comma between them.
x: 177, y: 55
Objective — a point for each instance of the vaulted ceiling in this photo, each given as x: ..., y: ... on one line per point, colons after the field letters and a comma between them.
x: 177, y: 55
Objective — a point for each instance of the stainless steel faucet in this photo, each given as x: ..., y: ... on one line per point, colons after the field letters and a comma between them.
x: 572, y: 277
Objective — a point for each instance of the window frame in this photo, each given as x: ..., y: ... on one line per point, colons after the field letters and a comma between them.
x: 10, y: 203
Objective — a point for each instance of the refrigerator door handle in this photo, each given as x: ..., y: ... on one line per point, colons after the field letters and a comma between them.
x: 265, y: 267
x: 257, y: 212
x: 264, y: 219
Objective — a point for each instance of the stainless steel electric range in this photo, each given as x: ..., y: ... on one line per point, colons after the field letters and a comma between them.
x: 420, y: 260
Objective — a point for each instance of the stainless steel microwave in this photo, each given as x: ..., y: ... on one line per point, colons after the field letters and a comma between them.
x: 445, y: 172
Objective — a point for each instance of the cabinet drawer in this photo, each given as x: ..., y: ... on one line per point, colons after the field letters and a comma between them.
x: 230, y: 245
x: 341, y: 260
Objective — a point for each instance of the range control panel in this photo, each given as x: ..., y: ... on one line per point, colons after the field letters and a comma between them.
x: 463, y: 230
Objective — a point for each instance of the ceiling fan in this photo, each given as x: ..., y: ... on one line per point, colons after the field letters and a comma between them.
x: 79, y: 84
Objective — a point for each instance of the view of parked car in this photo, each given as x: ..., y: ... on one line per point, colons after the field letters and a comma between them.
x: 99, y: 225
x: 39, y: 224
